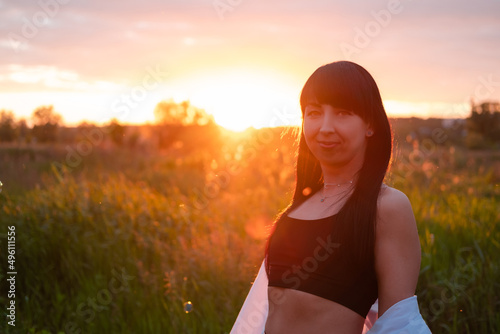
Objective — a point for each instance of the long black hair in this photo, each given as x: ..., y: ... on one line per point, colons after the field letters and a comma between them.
x: 349, y: 86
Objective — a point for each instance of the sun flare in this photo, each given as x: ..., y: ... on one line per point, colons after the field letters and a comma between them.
x: 242, y: 98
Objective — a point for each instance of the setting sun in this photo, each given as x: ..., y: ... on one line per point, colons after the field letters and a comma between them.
x: 242, y: 98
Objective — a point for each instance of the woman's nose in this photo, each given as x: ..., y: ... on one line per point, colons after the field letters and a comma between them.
x: 328, y: 124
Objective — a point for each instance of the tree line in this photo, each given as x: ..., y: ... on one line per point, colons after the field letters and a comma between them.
x: 482, y: 127
x: 45, y: 124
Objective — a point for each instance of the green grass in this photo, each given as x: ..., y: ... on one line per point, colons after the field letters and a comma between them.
x: 192, y: 228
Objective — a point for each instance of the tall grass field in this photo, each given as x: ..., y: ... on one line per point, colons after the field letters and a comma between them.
x: 135, y: 240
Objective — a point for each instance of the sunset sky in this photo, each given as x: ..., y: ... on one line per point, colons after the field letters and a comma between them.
x: 244, y: 61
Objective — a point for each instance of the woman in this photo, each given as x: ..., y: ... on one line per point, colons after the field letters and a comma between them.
x: 346, y: 239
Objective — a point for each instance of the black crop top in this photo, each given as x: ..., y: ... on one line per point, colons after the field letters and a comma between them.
x: 302, y: 255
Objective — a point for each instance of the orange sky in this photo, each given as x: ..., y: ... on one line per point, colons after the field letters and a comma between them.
x: 244, y: 61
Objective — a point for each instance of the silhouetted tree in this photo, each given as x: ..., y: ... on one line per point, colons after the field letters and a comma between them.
x: 173, y: 117
x: 23, y: 131
x: 116, y: 131
x: 7, y: 129
x: 46, y: 123
x: 133, y: 139
x: 483, y: 125
x: 171, y: 113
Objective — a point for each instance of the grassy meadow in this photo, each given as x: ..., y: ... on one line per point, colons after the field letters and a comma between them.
x: 141, y: 240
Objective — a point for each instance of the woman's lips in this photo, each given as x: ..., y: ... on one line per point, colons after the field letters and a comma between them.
x: 328, y: 144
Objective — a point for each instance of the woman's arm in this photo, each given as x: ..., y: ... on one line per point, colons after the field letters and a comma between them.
x: 397, y: 249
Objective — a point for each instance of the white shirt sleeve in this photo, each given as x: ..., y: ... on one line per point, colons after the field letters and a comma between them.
x: 401, y: 318
x: 253, y: 314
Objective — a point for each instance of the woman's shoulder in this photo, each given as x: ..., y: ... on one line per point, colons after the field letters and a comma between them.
x: 394, y: 206
x: 389, y: 194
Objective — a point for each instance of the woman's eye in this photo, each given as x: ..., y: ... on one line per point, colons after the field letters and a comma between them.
x: 313, y: 112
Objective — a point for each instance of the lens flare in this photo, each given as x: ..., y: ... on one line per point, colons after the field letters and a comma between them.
x: 188, y: 307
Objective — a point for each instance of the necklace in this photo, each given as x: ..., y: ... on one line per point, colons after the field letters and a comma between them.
x: 338, y: 185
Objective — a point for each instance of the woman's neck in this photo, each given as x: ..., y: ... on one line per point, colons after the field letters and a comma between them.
x: 339, y: 175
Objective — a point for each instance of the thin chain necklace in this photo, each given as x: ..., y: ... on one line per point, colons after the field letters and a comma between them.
x: 338, y: 185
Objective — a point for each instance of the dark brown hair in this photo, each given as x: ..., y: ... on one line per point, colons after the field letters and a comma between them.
x: 346, y: 85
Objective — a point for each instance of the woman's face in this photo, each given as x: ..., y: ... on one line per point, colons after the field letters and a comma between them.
x: 336, y: 137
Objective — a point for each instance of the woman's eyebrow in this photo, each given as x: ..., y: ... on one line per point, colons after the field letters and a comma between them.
x: 313, y: 104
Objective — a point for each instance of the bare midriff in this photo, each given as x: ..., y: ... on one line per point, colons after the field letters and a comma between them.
x: 297, y: 312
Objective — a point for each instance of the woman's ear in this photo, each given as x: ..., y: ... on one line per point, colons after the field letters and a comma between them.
x: 369, y: 131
